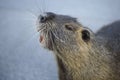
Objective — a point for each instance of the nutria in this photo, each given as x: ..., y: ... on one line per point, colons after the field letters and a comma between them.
x: 80, y: 53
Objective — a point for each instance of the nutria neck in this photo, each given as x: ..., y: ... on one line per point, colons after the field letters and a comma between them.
x: 94, y: 65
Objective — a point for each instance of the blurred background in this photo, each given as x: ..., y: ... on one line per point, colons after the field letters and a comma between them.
x: 21, y: 56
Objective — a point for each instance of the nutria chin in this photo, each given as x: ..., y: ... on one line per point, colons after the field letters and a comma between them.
x: 80, y: 53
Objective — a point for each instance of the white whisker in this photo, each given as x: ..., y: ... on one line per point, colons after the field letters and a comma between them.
x: 58, y: 38
x: 39, y: 7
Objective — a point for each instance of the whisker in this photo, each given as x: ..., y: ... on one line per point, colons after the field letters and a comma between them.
x: 44, y: 5
x: 41, y: 29
x: 46, y: 37
x: 49, y: 24
x: 32, y: 13
x: 58, y: 38
x: 39, y: 7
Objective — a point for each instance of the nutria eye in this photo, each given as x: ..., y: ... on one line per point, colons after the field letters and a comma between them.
x: 68, y: 27
x: 85, y: 35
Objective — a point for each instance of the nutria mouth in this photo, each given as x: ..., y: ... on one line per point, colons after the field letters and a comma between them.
x: 46, y: 39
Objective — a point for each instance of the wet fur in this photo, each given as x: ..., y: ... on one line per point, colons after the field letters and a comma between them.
x: 99, y: 63
x: 82, y: 60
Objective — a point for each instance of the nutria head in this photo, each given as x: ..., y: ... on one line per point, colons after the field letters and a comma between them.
x: 62, y: 33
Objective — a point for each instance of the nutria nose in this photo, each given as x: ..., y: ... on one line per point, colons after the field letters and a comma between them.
x: 46, y: 16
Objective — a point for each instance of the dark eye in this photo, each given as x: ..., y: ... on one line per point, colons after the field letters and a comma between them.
x: 43, y: 18
x: 85, y: 35
x: 69, y: 27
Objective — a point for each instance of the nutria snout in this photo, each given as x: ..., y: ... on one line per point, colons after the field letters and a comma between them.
x: 46, y: 16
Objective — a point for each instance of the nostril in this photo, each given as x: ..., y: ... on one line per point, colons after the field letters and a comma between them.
x: 43, y: 19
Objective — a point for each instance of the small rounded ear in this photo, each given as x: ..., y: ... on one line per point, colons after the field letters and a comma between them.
x: 85, y: 35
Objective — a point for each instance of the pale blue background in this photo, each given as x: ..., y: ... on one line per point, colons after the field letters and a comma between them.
x: 21, y: 57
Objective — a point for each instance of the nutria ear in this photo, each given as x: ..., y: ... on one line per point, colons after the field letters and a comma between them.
x: 85, y: 35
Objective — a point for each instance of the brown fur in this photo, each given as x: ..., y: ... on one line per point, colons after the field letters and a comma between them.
x: 91, y: 62
x: 80, y: 56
